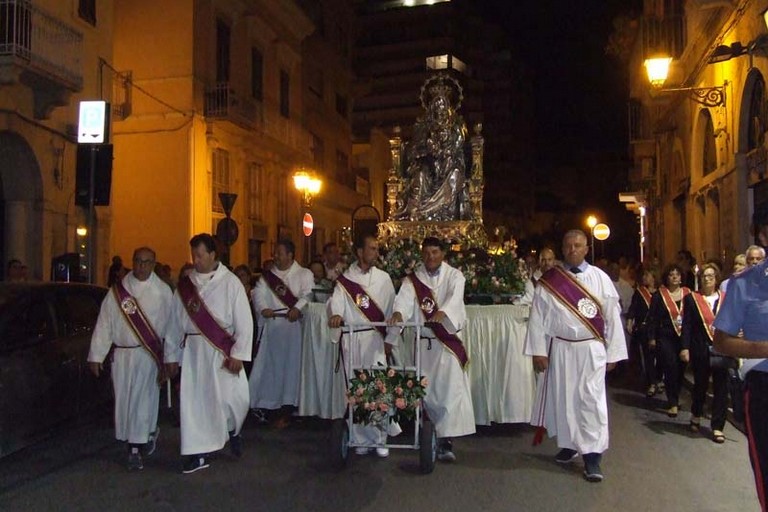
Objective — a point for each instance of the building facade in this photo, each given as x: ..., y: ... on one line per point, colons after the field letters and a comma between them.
x: 51, y: 55
x: 698, y: 141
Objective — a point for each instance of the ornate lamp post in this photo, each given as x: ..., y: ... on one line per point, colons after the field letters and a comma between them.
x: 308, y: 185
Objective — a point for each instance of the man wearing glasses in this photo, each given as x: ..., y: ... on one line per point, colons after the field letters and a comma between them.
x: 133, y: 318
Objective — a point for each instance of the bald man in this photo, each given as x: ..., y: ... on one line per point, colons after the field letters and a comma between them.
x: 547, y: 260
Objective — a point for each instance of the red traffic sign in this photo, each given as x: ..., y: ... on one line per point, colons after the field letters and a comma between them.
x: 308, y: 224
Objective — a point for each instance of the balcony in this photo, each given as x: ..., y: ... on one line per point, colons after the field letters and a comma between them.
x: 222, y: 102
x: 40, y: 51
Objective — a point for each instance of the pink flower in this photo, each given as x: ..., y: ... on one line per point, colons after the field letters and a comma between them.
x: 391, y: 373
x: 383, y: 407
x: 409, y: 383
x: 362, y: 376
x: 398, y: 390
x: 360, y: 390
x: 352, y: 400
x: 424, y: 382
x: 400, y: 403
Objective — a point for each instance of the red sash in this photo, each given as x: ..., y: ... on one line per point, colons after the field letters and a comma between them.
x: 645, y: 294
x: 280, y: 289
x: 139, y: 322
x: 210, y: 329
x: 705, y: 312
x: 429, y: 307
x: 364, y: 302
x: 571, y: 293
x: 675, y: 313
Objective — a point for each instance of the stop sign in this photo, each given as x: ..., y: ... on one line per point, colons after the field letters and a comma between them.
x: 308, y: 224
x: 601, y: 231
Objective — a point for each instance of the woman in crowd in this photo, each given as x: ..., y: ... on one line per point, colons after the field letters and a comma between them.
x: 700, y: 310
x: 665, y: 324
x: 637, y: 327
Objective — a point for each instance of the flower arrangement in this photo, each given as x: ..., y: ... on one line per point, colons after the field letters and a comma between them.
x: 378, y: 395
x: 501, y: 273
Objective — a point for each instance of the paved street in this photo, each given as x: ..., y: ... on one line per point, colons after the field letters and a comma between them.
x: 653, y: 464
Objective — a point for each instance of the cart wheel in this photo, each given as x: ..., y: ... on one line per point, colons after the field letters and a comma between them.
x: 427, y: 446
x: 339, y: 443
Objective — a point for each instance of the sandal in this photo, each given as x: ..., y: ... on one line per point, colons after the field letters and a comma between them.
x: 695, y: 424
x: 718, y: 437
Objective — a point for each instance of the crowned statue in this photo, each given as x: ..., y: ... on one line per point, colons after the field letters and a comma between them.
x: 434, y: 178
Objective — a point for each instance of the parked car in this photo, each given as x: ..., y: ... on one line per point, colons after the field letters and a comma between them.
x: 45, y: 335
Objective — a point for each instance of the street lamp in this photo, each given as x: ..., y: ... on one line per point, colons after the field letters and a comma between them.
x: 592, y: 222
x: 308, y: 185
x: 658, y: 70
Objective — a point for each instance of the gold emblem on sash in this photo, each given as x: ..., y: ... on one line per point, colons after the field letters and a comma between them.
x: 427, y: 305
x: 587, y: 307
x: 193, y: 305
x: 281, y: 291
x: 362, y: 301
x: 129, y: 306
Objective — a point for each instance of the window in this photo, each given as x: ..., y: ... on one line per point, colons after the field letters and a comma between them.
x: 757, y: 106
x: 282, y: 200
x: 318, y: 152
x: 342, y: 105
x: 222, y: 51
x: 316, y: 82
x: 257, y: 74
x: 710, y: 144
x: 446, y: 61
x: 258, y: 192
x: 25, y: 322
x: 219, y: 177
x: 86, y: 9
x: 342, y: 170
x: 285, y: 89
x: 82, y: 311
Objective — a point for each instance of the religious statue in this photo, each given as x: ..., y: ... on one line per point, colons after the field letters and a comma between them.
x: 434, y: 179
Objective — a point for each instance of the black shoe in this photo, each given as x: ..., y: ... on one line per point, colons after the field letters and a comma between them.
x: 151, y: 445
x: 236, y: 444
x: 566, y: 455
x: 195, y: 463
x: 592, y: 471
x: 134, y: 461
x: 260, y: 416
x: 445, y: 451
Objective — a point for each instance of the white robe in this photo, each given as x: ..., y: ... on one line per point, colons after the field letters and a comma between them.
x: 134, y: 370
x: 214, y: 402
x: 571, y: 399
x: 368, y: 348
x: 276, y: 372
x: 448, y: 400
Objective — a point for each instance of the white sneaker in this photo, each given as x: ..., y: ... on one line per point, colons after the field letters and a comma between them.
x: 361, y: 450
x: 382, y: 452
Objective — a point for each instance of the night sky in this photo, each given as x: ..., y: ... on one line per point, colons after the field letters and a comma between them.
x: 580, y: 105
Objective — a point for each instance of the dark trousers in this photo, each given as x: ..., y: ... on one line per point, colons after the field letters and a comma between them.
x: 756, y: 406
x: 668, y: 352
x: 651, y: 364
x: 701, y: 374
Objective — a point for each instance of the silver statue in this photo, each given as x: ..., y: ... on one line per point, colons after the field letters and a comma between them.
x: 433, y: 183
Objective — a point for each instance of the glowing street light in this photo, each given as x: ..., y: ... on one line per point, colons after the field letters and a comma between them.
x: 308, y: 186
x: 592, y: 222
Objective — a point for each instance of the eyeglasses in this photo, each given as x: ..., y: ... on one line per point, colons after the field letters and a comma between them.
x: 143, y: 262
x: 708, y: 276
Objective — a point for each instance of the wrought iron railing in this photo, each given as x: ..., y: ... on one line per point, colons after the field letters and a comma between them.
x: 43, y: 41
x: 222, y: 102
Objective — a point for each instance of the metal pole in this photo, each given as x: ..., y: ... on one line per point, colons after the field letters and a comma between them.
x: 91, y: 215
x: 592, y: 231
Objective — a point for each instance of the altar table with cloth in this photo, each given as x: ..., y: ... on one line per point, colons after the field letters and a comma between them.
x: 501, y: 378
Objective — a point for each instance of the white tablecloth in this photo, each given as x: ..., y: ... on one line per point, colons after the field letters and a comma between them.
x: 501, y: 377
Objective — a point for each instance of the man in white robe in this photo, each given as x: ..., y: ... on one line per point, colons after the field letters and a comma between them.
x: 546, y: 261
x: 571, y: 398
x: 135, y: 370
x: 214, y: 388
x: 448, y: 400
x: 276, y: 373
x: 369, y: 348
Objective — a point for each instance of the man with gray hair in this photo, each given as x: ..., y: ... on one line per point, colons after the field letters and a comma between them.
x: 576, y: 307
x: 755, y: 254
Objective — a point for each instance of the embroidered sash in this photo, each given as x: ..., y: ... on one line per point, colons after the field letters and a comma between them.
x: 645, y: 294
x: 139, y: 322
x: 429, y: 307
x: 574, y: 296
x: 675, y: 313
x: 210, y: 329
x: 364, y: 302
x: 705, y: 312
x: 280, y: 289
